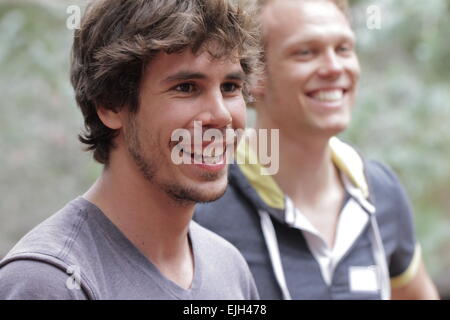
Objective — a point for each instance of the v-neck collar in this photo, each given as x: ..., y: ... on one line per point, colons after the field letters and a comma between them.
x: 140, y: 262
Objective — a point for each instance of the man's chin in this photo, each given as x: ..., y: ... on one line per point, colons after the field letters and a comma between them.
x: 210, y: 191
x: 333, y: 128
x: 205, y: 198
x: 200, y: 192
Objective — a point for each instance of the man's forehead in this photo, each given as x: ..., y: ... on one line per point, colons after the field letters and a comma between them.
x: 203, y: 54
x: 201, y: 64
x: 283, y: 16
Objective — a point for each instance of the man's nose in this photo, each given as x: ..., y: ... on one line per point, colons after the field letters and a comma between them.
x: 216, y: 114
x: 331, y: 65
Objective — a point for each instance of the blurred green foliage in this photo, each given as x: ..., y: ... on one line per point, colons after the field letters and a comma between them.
x: 42, y: 166
x: 401, y: 117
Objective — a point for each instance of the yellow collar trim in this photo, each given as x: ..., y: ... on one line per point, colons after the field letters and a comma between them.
x: 343, y: 156
x: 265, y: 185
x: 349, y: 162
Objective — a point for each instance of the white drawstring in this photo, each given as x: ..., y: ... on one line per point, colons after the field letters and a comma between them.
x: 274, y: 252
x: 376, y: 241
x: 380, y: 260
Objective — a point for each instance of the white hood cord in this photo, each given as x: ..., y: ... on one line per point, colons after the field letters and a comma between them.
x: 380, y: 260
x: 377, y: 243
x: 274, y: 252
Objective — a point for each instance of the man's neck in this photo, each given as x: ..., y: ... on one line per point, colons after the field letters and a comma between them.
x: 156, y: 224
x: 306, y: 169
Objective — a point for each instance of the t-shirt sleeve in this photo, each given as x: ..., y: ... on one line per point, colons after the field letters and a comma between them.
x: 393, y: 199
x: 253, y: 294
x: 36, y: 280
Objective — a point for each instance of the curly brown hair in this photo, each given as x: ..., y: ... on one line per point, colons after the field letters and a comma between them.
x: 341, y: 4
x: 118, y: 38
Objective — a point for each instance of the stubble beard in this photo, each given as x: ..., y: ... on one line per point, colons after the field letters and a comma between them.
x: 183, y: 195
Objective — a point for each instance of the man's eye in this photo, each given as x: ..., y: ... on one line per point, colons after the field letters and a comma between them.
x: 345, y: 48
x: 185, y: 88
x: 230, y: 87
x: 304, y: 52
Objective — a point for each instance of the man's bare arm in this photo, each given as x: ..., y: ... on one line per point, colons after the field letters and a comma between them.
x: 421, y: 287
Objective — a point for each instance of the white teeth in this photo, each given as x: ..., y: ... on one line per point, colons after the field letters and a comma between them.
x: 213, y: 160
x: 328, y: 95
x: 205, y: 159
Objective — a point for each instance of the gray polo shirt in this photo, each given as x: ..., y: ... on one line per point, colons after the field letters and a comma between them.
x: 351, y: 273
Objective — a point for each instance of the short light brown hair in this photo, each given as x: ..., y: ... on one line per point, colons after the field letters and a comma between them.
x: 118, y: 38
x: 260, y: 4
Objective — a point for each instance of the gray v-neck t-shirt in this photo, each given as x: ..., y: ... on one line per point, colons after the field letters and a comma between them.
x: 78, y: 253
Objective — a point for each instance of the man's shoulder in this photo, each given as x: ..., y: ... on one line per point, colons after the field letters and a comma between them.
x: 384, y: 184
x: 45, y: 258
x: 380, y: 174
x: 388, y: 194
x: 54, y: 238
x: 64, y: 241
x: 26, y: 279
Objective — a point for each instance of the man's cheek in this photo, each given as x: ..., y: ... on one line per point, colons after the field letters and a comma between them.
x: 239, y: 114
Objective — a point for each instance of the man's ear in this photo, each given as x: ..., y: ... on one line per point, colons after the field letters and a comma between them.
x: 110, y: 118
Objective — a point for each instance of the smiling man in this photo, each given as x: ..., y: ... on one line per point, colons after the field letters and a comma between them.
x: 329, y: 224
x: 141, y: 70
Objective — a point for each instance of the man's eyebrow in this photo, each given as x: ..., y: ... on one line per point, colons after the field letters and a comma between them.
x: 238, y: 75
x: 189, y: 75
x: 313, y: 39
x: 184, y: 75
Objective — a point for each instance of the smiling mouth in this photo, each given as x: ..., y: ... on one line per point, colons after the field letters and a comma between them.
x: 203, y: 159
x: 334, y: 95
